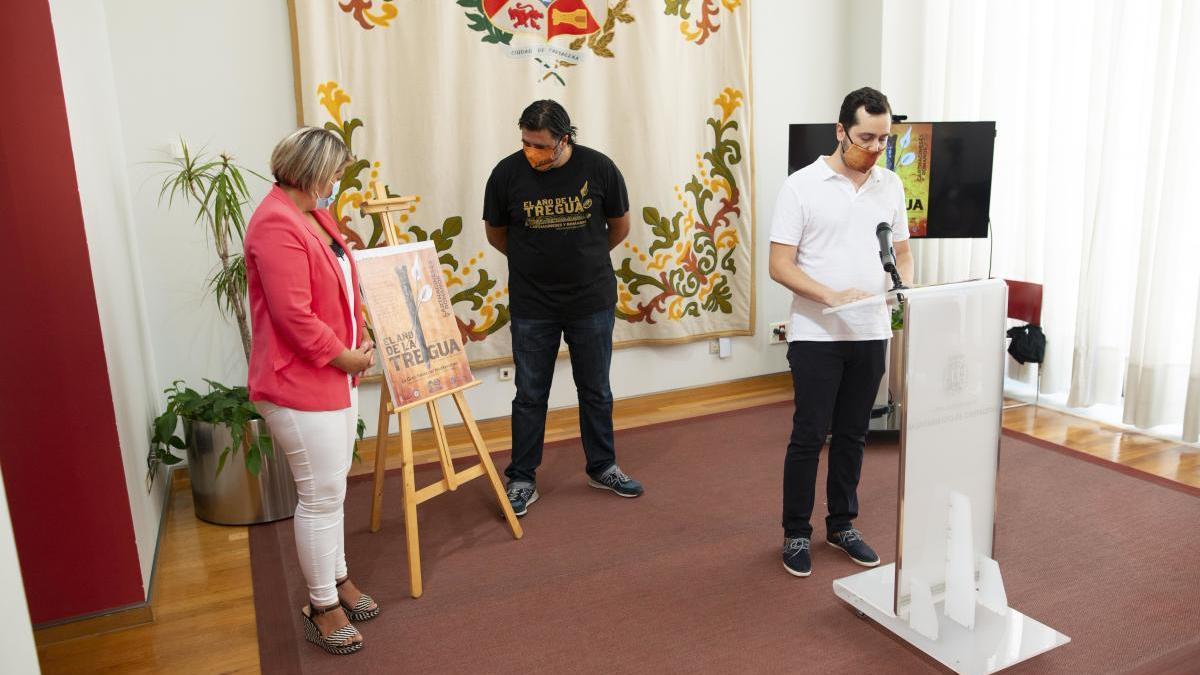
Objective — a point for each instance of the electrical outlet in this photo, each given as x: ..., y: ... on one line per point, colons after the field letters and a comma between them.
x: 714, y: 346
x: 778, y: 335
x: 506, y: 373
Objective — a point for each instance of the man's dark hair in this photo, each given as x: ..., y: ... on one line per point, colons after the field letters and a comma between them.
x: 873, y: 100
x: 550, y: 116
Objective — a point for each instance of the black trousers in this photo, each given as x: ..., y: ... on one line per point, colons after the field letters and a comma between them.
x: 835, y: 385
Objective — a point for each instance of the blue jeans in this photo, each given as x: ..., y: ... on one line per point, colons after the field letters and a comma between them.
x: 535, y: 350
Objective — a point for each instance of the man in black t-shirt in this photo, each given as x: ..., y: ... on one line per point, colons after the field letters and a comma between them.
x: 556, y: 209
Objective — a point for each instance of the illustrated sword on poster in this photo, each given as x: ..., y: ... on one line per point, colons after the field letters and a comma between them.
x: 414, y: 311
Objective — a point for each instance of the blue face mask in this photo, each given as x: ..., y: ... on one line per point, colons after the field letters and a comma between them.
x: 326, y: 202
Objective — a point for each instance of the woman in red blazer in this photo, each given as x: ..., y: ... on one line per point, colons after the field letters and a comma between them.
x: 309, y: 347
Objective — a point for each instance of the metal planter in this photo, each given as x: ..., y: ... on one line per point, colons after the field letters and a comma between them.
x: 236, y: 497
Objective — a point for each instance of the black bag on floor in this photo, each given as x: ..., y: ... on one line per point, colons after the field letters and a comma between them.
x: 1028, y: 344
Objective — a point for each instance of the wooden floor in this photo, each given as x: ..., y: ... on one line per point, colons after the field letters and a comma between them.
x: 1167, y: 459
x: 203, y: 598
x: 203, y: 608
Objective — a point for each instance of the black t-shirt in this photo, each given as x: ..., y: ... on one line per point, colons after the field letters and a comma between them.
x: 558, y: 263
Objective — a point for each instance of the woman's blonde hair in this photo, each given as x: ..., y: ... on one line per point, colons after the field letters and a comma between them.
x: 308, y: 157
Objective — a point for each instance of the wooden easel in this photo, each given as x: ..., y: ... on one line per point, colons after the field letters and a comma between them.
x: 451, y: 479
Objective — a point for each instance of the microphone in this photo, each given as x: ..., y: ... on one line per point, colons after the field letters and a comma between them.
x: 887, y: 255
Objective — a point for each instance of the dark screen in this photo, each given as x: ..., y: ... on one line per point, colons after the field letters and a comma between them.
x: 960, y: 174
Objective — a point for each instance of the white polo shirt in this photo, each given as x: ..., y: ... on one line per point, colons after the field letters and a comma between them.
x: 833, y: 227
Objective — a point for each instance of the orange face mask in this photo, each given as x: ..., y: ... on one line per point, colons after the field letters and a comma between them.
x: 541, y: 158
x: 858, y: 158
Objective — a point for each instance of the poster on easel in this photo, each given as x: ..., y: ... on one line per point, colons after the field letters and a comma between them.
x: 417, y: 339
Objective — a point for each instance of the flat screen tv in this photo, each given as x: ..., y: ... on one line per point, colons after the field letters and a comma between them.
x: 946, y: 168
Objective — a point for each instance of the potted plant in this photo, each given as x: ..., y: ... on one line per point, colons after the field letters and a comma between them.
x: 215, y: 425
x: 222, y: 421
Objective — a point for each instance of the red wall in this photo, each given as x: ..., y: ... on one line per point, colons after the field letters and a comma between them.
x: 58, y: 434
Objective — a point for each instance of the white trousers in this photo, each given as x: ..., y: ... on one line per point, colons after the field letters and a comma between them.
x: 319, y: 447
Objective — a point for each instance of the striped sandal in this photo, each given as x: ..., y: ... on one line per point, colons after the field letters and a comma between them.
x: 338, y: 642
x: 364, y: 610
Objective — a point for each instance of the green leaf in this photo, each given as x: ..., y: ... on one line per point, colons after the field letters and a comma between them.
x: 240, y: 183
x: 720, y: 298
x: 376, y: 231
x: 441, y: 242
x: 634, y: 280
x: 266, y: 446
x: 475, y: 294
x: 666, y: 232
x: 221, y: 461
x: 478, y: 22
x: 350, y: 176
x: 164, y: 426
x: 452, y: 227
x: 728, y: 263
x: 254, y: 460
x: 443, y: 239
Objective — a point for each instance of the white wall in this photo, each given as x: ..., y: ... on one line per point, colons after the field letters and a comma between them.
x: 16, y: 630
x: 860, y: 46
x: 219, y: 74
x: 101, y: 170
x: 236, y: 94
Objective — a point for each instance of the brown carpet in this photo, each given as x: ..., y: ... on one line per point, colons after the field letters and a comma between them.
x: 688, y: 578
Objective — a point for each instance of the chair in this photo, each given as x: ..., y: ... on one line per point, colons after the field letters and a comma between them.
x: 1025, y: 304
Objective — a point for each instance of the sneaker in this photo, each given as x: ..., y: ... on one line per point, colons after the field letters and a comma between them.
x: 614, y: 479
x: 520, y: 496
x: 852, y: 543
x: 796, y: 558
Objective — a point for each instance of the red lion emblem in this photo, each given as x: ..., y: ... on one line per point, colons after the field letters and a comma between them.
x: 524, y: 15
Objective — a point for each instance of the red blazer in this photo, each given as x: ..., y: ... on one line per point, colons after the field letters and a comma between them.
x: 298, y: 308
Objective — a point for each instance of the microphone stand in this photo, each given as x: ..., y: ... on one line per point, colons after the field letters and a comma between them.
x: 897, y: 284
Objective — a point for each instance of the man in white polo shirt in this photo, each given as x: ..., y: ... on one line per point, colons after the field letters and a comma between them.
x: 824, y: 250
